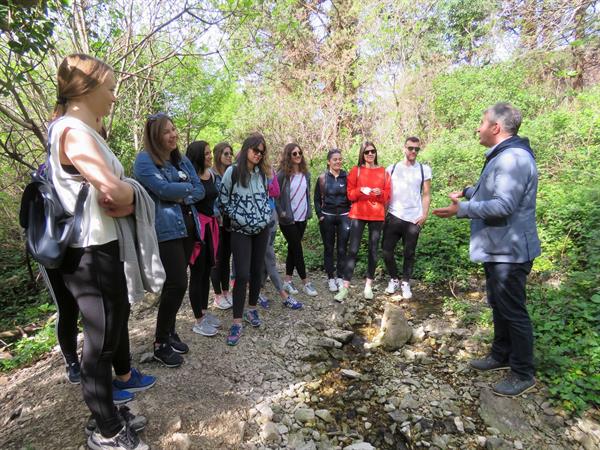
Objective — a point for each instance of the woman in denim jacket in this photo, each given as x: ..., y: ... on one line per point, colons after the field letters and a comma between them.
x: 173, y: 184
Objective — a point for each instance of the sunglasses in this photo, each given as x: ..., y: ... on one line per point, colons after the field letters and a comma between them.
x: 158, y: 115
x: 410, y: 148
x: 297, y: 153
x: 258, y: 152
x: 370, y: 152
x: 227, y: 154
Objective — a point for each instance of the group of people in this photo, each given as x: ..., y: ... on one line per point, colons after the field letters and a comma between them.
x: 198, y: 210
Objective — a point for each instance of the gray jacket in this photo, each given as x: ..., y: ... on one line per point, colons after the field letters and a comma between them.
x: 501, y: 206
x: 283, y: 202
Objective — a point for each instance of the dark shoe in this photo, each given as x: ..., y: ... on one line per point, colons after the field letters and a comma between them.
x: 177, y: 345
x: 136, y: 423
x: 126, y: 439
x: 512, y: 385
x: 165, y: 354
x: 136, y: 383
x: 488, y: 363
x: 74, y: 373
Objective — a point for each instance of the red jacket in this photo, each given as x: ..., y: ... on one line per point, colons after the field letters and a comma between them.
x: 368, y: 207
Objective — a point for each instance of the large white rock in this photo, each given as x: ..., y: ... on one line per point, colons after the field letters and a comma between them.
x: 395, y: 330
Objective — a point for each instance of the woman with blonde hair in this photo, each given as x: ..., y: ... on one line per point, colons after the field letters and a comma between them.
x: 92, y: 269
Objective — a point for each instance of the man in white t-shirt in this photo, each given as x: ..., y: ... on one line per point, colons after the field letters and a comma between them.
x: 407, y: 212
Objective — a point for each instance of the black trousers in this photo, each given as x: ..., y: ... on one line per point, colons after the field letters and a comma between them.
x: 175, y: 256
x: 249, y: 259
x: 219, y: 274
x: 293, y: 235
x: 396, y: 229
x: 96, y: 279
x: 200, y: 276
x: 335, y: 229
x: 513, y: 331
x: 357, y: 227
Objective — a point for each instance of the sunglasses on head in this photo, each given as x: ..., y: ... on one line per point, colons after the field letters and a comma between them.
x: 156, y: 116
x: 410, y: 148
x: 370, y: 151
x: 297, y: 153
x: 258, y: 151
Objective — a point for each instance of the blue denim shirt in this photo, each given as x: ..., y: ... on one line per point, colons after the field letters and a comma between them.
x: 164, y: 186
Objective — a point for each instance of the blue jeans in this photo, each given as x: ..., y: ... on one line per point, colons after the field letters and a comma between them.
x: 513, y: 331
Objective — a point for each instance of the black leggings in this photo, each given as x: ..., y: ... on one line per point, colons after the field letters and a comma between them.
x: 249, y: 259
x: 96, y: 279
x: 357, y: 227
x: 394, y: 230
x: 293, y: 234
x: 334, y: 227
x: 200, y: 276
x: 175, y: 256
x: 219, y: 274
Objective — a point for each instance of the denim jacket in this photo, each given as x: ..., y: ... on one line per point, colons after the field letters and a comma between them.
x: 168, y: 192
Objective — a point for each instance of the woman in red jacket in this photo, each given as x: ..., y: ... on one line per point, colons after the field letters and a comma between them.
x: 369, y: 191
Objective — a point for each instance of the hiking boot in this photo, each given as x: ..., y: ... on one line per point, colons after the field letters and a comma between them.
x: 263, y: 301
x: 177, y: 345
x: 121, y: 396
x: 251, y: 316
x: 292, y: 303
x: 487, y: 364
x: 204, y: 328
x: 309, y: 290
x: 212, y: 320
x: 368, y: 292
x: 235, y: 332
x: 512, y: 385
x: 406, y: 292
x: 342, y: 294
x: 332, y: 284
x: 136, y: 423
x: 289, y: 288
x: 126, y: 439
x: 136, y: 383
x: 392, y: 286
x: 74, y: 373
x: 221, y: 302
x: 164, y: 353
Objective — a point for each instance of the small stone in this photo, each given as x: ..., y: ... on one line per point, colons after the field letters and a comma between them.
x: 343, y: 336
x: 304, y: 415
x: 352, y: 374
x: 326, y: 342
x: 518, y: 445
x: 368, y: 425
x: 269, y: 433
x: 459, y: 425
x: 181, y: 441
x: 360, y: 446
x: 174, y: 424
x: 324, y: 415
x: 496, y: 443
x: 481, y: 440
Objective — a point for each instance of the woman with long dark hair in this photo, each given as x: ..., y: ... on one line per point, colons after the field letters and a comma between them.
x: 293, y: 210
x: 369, y: 191
x: 173, y: 184
x: 205, y: 251
x: 245, y: 201
x: 219, y: 275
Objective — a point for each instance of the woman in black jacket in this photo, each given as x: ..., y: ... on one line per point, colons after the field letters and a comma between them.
x: 332, y: 207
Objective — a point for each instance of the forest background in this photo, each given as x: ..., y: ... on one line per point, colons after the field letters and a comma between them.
x: 331, y: 74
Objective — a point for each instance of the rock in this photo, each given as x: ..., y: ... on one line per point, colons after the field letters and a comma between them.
x: 518, y: 445
x: 337, y: 353
x: 265, y: 413
x: 304, y: 415
x: 327, y: 342
x: 398, y: 416
x: 395, y: 330
x: 269, y: 433
x: 481, y: 440
x: 343, y: 336
x: 295, y: 440
x: 360, y: 446
x: 146, y: 357
x: 408, y: 402
x: 181, y: 441
x: 496, y: 443
x: 324, y: 415
x: 174, y: 425
x: 352, y: 374
x: 505, y: 414
x: 587, y: 432
x: 368, y: 425
x: 459, y: 425
x: 310, y: 445
x: 418, y: 335
x: 440, y: 441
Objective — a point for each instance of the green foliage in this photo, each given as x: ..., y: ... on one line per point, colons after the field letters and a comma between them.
x: 29, y: 349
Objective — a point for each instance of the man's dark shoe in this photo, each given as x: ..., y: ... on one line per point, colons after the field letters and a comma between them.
x: 488, y: 363
x: 74, y: 373
x: 177, y: 345
x: 512, y: 385
x: 165, y: 354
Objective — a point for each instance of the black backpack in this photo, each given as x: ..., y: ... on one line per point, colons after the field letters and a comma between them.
x: 49, y: 229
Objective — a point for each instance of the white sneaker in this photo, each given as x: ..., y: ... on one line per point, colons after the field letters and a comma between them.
x: 221, y: 302
x: 392, y: 286
x: 368, y: 292
x: 406, y: 293
x: 229, y: 298
x: 333, y: 287
x: 289, y: 288
x: 126, y: 439
x: 340, y: 282
x: 212, y: 320
x: 204, y: 328
x: 308, y: 289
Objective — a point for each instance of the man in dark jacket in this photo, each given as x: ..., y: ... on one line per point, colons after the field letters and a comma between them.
x: 504, y: 237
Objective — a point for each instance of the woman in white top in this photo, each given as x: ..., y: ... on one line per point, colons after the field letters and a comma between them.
x: 293, y: 210
x: 92, y: 270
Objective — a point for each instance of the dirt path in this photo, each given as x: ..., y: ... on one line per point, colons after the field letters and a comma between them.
x: 283, y: 387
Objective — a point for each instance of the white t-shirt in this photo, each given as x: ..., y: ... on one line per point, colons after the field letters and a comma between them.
x: 298, y: 199
x: 96, y: 227
x: 405, y: 202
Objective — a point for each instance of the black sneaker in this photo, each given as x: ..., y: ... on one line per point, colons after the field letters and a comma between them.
x: 488, y: 363
x: 136, y: 423
x: 164, y: 353
x: 177, y: 345
x: 74, y: 373
x: 126, y: 439
x: 513, y: 385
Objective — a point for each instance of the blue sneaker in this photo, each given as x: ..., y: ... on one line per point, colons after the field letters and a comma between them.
x: 263, y: 301
x: 251, y: 316
x: 136, y: 383
x: 292, y: 303
x: 235, y: 332
x: 120, y: 396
